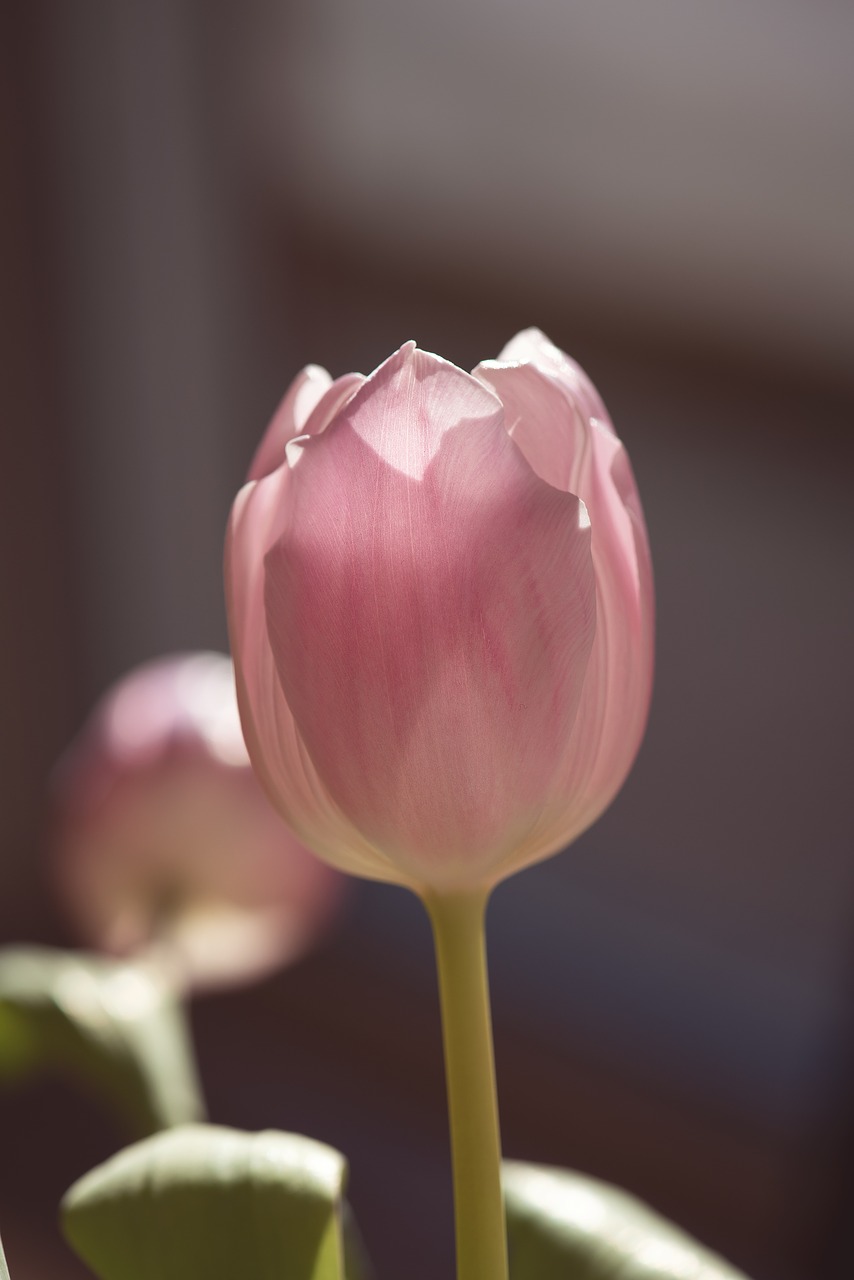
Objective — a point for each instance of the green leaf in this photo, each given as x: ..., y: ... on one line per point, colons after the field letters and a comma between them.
x: 4, y: 1270
x: 208, y: 1203
x: 562, y: 1226
x: 356, y: 1263
x: 116, y: 1027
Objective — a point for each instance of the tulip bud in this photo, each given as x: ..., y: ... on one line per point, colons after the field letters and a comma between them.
x: 164, y: 841
x: 440, y: 602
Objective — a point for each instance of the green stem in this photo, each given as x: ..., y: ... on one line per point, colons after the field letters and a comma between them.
x: 458, y: 930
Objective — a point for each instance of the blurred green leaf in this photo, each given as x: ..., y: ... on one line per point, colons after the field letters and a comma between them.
x: 356, y: 1263
x: 4, y: 1270
x: 208, y: 1203
x: 116, y: 1027
x: 562, y: 1226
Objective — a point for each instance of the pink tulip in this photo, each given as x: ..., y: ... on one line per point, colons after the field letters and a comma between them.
x: 164, y: 840
x: 441, y: 609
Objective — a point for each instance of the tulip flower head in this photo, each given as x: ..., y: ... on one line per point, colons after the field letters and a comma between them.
x: 440, y: 603
x: 163, y: 839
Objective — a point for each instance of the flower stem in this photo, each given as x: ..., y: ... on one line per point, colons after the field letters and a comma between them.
x: 458, y: 931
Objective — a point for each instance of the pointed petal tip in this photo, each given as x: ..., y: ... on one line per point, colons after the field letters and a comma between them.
x: 527, y: 345
x: 532, y: 333
x: 410, y: 361
x: 404, y: 354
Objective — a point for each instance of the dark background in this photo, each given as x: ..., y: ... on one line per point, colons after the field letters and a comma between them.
x: 197, y: 199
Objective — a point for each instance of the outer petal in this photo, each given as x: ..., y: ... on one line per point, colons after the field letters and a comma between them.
x: 532, y: 346
x: 333, y: 399
x: 430, y: 607
x: 286, y: 423
x: 275, y: 748
x: 308, y: 406
x: 556, y: 417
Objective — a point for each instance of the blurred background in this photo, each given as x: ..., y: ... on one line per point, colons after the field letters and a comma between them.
x: 200, y: 197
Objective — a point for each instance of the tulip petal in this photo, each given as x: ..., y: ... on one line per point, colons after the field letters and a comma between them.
x: 430, y: 604
x: 531, y: 346
x: 296, y: 404
x: 274, y: 746
x: 308, y: 405
x: 333, y: 399
x: 556, y: 417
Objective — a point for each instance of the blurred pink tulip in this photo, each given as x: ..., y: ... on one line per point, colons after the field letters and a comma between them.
x: 163, y: 840
x: 441, y: 609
